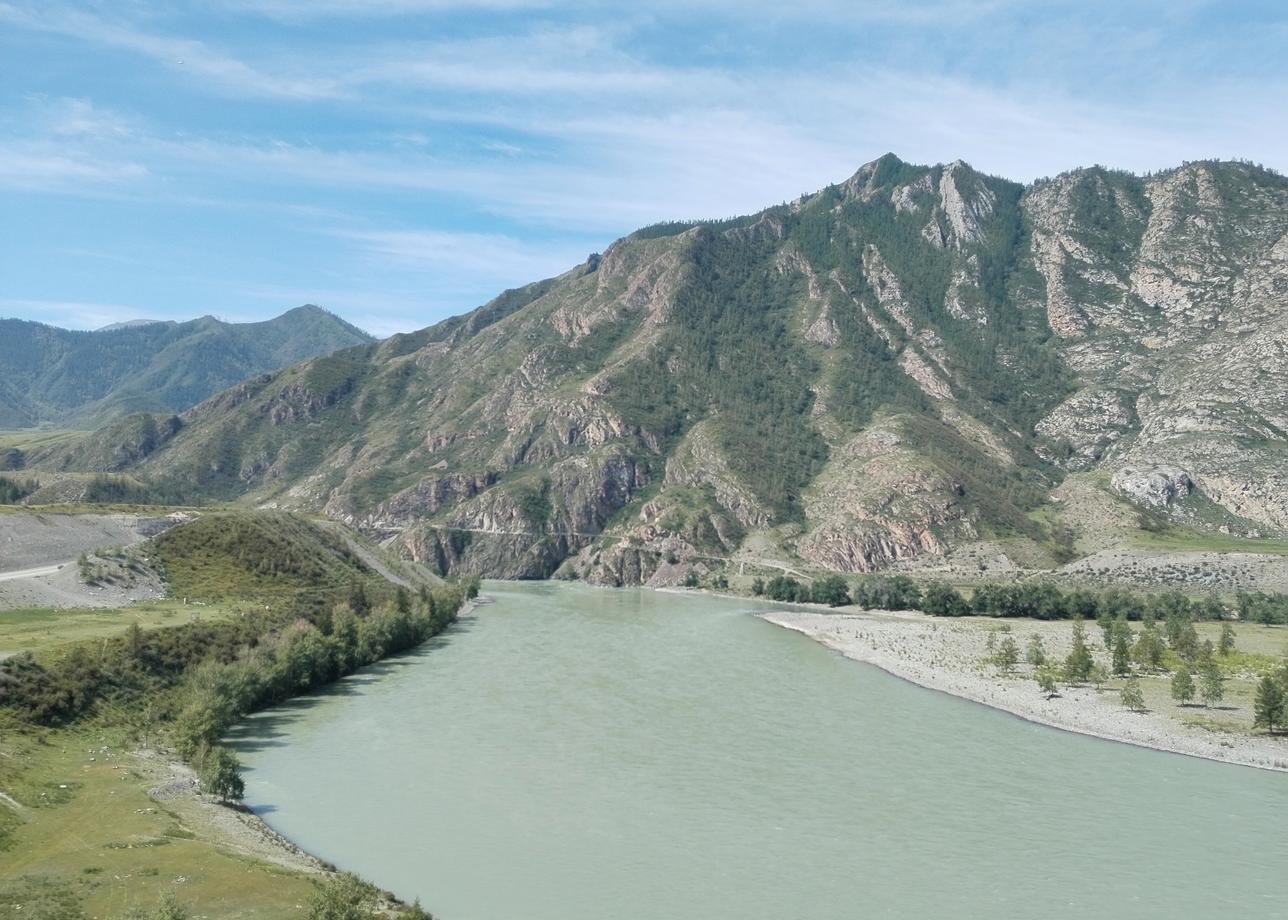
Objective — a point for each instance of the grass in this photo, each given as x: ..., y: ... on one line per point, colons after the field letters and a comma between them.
x: 29, y: 438
x: 80, y: 837
x: 92, y: 507
x: 1258, y: 649
x: 1178, y: 540
x: 36, y: 629
x: 89, y: 842
x: 264, y: 554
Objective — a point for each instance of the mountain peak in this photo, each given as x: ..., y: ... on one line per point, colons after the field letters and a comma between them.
x: 128, y: 324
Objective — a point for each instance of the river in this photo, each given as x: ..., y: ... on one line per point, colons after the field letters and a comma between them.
x: 571, y: 753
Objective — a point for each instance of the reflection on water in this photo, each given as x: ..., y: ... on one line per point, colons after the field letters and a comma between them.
x: 586, y: 754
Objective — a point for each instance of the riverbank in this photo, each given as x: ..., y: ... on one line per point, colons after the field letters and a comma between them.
x: 951, y: 656
x: 241, y: 828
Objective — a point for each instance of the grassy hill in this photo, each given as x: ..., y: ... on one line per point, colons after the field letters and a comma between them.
x: 223, y: 555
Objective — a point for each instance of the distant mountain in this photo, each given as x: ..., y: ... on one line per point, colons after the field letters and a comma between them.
x: 126, y: 324
x: 910, y: 365
x: 80, y: 379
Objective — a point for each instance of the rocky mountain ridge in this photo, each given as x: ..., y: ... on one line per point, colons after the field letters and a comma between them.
x: 912, y: 361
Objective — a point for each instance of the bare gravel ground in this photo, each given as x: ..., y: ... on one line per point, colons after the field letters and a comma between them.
x: 951, y: 656
x: 64, y: 588
x: 34, y: 539
x: 42, y: 540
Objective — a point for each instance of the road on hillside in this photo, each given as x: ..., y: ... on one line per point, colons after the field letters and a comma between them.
x: 765, y: 563
x: 31, y: 573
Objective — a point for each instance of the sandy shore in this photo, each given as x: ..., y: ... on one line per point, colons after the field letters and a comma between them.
x: 949, y: 655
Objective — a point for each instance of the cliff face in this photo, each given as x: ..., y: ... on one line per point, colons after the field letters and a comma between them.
x: 899, y: 364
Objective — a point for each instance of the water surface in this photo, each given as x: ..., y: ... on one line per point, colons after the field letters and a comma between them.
x: 571, y: 753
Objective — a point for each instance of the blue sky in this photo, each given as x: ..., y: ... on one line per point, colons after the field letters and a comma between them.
x: 398, y: 161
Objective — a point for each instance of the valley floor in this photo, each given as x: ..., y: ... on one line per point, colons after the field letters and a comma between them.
x: 952, y: 656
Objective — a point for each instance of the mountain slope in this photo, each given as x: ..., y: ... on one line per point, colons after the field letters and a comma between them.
x: 78, y: 378
x: 916, y: 359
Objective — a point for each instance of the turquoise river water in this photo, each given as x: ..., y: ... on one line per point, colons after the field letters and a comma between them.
x: 571, y: 753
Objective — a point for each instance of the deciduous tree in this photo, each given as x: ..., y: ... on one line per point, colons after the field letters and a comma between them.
x: 1008, y: 655
x: 1182, y: 685
x: 220, y: 773
x: 1212, y: 685
x: 1133, y: 697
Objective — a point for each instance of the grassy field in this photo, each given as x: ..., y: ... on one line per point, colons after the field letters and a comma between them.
x: 1183, y: 541
x: 88, y: 841
x: 29, y: 438
x: 91, y: 508
x: 1258, y: 650
x: 36, y: 629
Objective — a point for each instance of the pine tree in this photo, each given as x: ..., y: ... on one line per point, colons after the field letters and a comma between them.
x: 1182, y: 685
x: 1036, y: 652
x: 1122, y: 656
x: 1268, y: 708
x: 1226, y: 644
x: 358, y: 601
x: 1008, y: 655
x: 1149, y: 649
x: 1077, y: 667
x: 134, y: 640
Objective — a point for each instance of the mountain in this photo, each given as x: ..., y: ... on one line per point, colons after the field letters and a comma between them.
x: 126, y: 324
x: 916, y: 364
x: 71, y: 378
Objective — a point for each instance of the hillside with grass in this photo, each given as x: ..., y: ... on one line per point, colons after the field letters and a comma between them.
x: 236, y: 555
x: 76, y: 379
x: 918, y: 366
x: 116, y: 793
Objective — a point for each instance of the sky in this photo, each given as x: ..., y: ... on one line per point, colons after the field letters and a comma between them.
x: 401, y: 161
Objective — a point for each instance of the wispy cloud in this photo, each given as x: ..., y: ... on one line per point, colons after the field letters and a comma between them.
x: 187, y: 57
x: 424, y: 154
x: 71, y: 314
x: 47, y: 167
x: 438, y: 251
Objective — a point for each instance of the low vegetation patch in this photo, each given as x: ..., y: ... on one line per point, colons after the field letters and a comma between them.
x: 267, y: 554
